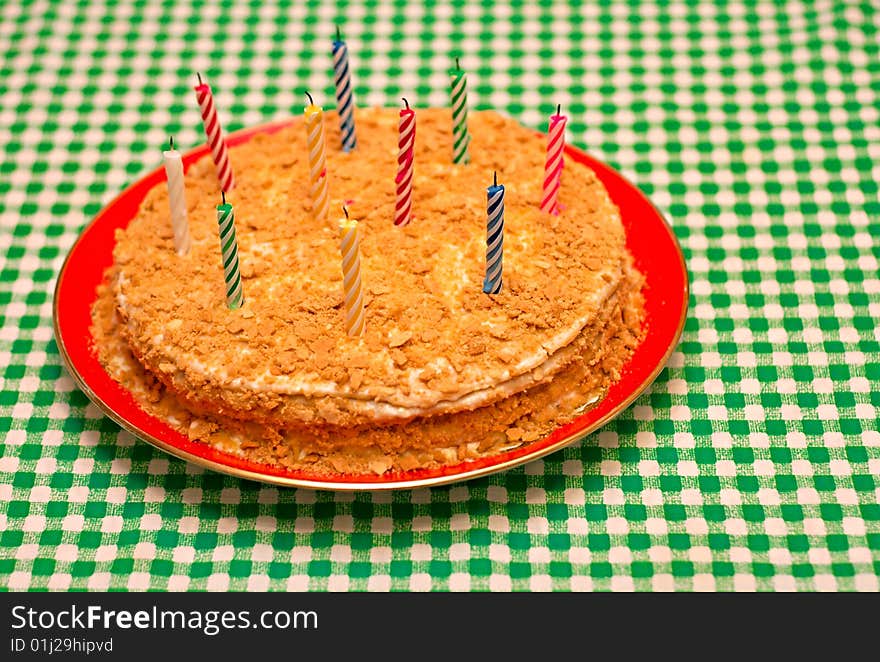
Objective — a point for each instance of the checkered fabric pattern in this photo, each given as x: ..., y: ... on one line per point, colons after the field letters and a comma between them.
x: 751, y: 464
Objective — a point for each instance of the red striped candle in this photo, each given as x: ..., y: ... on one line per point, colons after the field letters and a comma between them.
x: 553, y: 168
x: 216, y: 140
x: 406, y: 141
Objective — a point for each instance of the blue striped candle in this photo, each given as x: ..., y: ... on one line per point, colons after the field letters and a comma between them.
x: 344, y: 99
x: 494, y: 237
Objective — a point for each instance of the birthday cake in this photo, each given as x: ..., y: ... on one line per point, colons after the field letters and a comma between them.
x: 443, y: 372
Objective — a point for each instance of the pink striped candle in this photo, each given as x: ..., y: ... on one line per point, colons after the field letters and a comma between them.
x: 216, y: 140
x: 553, y: 168
x: 405, y: 148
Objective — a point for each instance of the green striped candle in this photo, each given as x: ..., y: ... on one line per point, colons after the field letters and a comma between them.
x: 460, y: 137
x: 229, y: 251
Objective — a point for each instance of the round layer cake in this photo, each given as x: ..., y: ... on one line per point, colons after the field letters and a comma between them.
x: 434, y: 342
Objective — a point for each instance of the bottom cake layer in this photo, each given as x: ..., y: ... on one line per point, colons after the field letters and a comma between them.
x: 420, y: 443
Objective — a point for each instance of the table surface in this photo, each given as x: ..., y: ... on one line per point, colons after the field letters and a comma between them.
x: 751, y: 464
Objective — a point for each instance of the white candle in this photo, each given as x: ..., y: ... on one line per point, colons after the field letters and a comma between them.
x: 176, y: 199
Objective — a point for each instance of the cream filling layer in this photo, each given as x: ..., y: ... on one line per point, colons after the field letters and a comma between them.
x: 537, y: 367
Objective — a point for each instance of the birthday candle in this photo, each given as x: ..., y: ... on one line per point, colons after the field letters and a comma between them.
x: 229, y: 251
x: 405, y: 149
x: 553, y: 167
x: 214, y: 133
x: 460, y: 137
x: 318, y: 191
x: 494, y: 237
x: 176, y: 199
x: 349, y: 246
x: 344, y: 100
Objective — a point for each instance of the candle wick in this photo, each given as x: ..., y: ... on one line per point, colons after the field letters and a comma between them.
x: 559, y: 109
x: 457, y: 65
x: 171, y: 142
x: 223, y: 196
x: 338, y: 37
x: 311, y: 101
x: 495, y: 178
x: 199, y: 76
x: 406, y: 102
x: 345, y: 209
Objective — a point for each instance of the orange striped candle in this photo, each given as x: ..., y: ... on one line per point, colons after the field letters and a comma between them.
x: 317, y: 160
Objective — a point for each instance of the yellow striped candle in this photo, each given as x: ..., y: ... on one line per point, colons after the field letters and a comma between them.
x: 318, y: 192
x: 349, y: 246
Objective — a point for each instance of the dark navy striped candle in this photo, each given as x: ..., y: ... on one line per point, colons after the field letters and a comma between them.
x: 494, y: 237
x: 344, y: 99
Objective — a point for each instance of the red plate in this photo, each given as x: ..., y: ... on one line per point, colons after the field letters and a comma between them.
x: 652, y: 243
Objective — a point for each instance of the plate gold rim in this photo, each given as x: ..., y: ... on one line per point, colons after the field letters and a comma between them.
x: 284, y: 481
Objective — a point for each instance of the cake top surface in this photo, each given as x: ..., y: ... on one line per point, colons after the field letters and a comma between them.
x: 431, y: 333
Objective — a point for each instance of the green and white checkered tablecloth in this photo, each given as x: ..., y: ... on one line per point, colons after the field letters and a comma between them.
x: 752, y: 463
